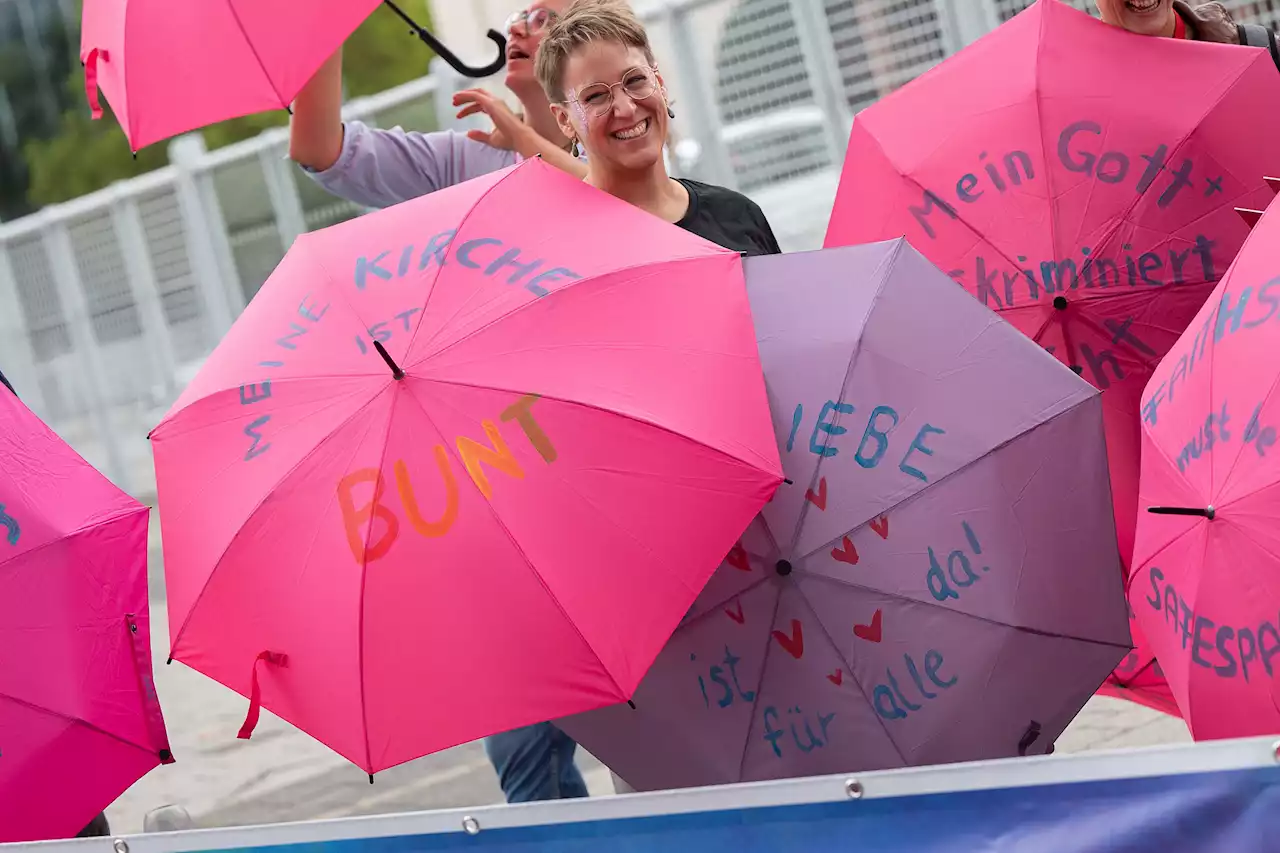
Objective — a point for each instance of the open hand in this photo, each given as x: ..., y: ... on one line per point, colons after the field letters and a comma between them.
x: 507, y: 126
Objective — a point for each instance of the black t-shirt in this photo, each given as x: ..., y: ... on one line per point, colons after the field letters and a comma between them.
x: 727, y: 218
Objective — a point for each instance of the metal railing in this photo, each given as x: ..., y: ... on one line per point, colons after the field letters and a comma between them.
x: 110, y: 303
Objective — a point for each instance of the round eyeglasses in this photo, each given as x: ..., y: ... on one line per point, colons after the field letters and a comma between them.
x: 596, y: 99
x: 534, y: 20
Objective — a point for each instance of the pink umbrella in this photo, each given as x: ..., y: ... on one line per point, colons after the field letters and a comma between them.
x: 1084, y: 187
x: 79, y: 718
x: 176, y: 65
x: 1206, y: 585
x: 463, y: 464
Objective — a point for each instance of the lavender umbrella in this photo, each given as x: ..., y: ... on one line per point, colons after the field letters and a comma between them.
x: 939, y: 582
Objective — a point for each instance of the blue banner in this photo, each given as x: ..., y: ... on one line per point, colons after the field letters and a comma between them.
x: 1234, y: 811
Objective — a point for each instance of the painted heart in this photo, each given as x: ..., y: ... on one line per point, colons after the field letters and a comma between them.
x: 871, y: 633
x: 837, y: 677
x: 738, y: 558
x: 881, y: 526
x: 738, y: 616
x: 846, y: 553
x: 818, y: 498
x: 794, y: 645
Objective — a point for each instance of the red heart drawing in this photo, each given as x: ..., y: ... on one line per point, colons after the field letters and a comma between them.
x: 881, y: 526
x: 819, y: 498
x: 794, y: 644
x: 736, y: 617
x: 738, y: 558
x: 847, y: 553
x: 837, y: 677
x: 871, y: 633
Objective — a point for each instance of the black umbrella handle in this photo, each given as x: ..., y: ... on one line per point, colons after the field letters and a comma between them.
x: 447, y: 55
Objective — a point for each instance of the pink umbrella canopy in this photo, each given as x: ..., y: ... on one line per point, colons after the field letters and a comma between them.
x: 79, y: 717
x: 941, y: 583
x: 1206, y: 589
x: 168, y: 67
x: 463, y: 464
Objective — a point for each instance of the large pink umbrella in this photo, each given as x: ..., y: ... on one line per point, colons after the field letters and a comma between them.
x: 79, y: 718
x: 1083, y: 185
x: 170, y: 66
x: 1206, y: 585
x: 463, y: 464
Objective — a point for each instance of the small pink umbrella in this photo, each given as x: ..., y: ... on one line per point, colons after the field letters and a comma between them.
x: 170, y: 66
x: 79, y: 717
x: 463, y: 464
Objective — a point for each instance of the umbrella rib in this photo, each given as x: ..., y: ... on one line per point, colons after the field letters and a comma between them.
x: 516, y: 545
x: 364, y: 578
x: 643, y: 265
x: 886, y: 263
x: 755, y: 702
x: 262, y: 66
x: 1024, y: 629
x: 79, y: 722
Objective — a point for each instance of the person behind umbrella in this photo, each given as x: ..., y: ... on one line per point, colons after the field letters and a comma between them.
x: 379, y: 168
x: 598, y: 69
x: 1176, y: 19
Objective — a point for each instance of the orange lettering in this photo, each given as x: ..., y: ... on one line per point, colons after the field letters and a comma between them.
x: 519, y: 412
x: 431, y: 529
x: 499, y: 456
x: 353, y: 519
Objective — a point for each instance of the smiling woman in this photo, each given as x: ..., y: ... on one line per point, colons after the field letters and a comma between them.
x: 599, y: 73
x: 1177, y: 19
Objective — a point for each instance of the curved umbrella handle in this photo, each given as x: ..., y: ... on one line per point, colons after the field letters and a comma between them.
x: 447, y: 55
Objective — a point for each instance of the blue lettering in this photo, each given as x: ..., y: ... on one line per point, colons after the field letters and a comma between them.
x: 253, y: 431
x: 889, y: 700
x: 873, y: 433
x: 508, y: 259
x: 436, y: 248
x: 308, y: 312
x: 13, y: 530
x: 287, y: 340
x: 1200, y: 642
x: 919, y: 445
x: 796, y: 417
x: 1228, y: 669
x: 535, y: 287
x: 364, y: 267
x: 1228, y: 315
x: 254, y: 393
x: 830, y: 429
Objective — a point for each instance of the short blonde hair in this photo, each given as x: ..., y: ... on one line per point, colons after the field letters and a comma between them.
x: 586, y: 22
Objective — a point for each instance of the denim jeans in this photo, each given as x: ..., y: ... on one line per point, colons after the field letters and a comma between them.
x: 535, y: 763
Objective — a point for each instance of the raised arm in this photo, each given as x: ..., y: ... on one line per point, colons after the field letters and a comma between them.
x: 315, y: 132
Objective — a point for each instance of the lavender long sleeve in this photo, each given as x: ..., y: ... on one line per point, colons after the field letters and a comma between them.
x: 379, y: 168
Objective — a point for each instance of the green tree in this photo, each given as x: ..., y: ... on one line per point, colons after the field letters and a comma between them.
x: 86, y: 155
